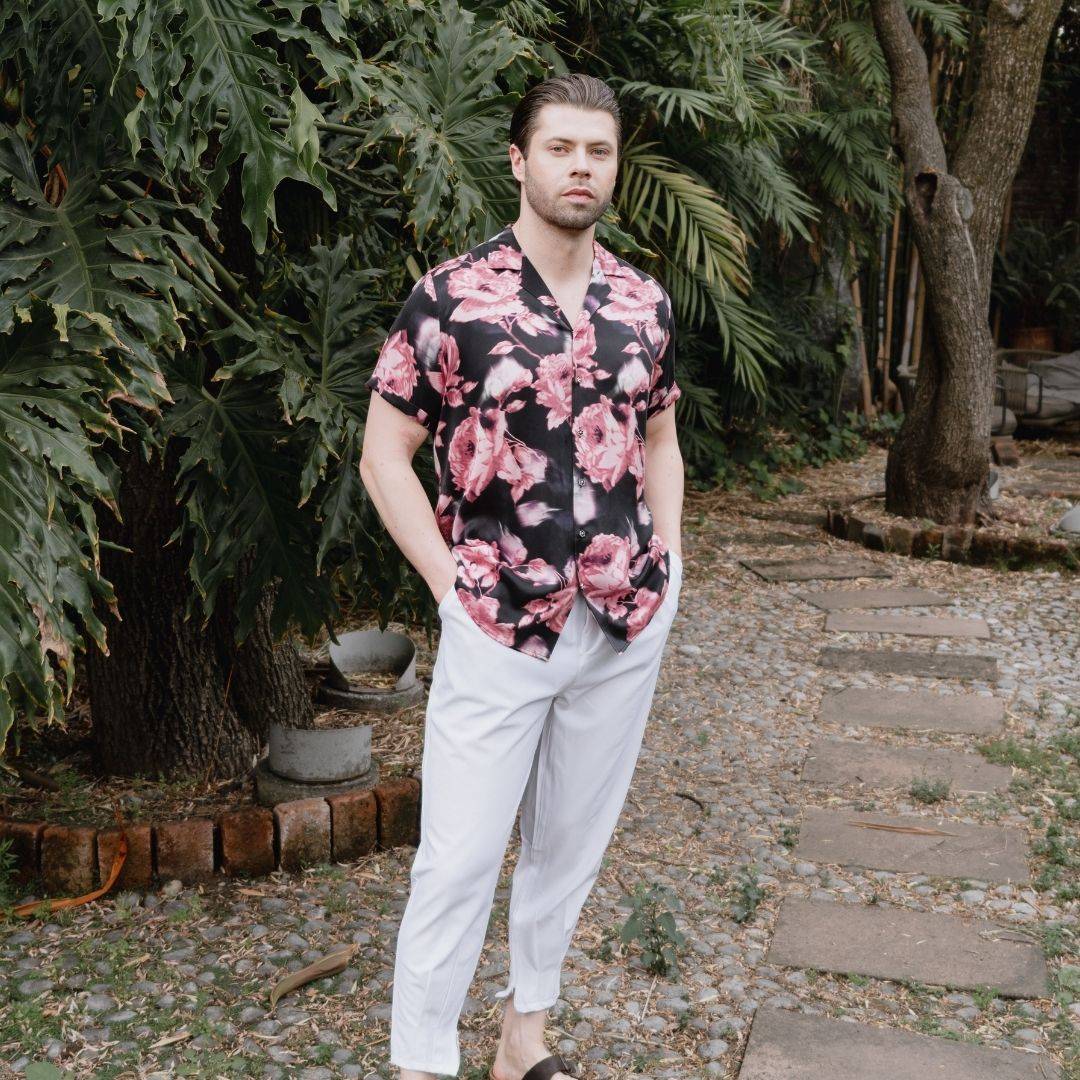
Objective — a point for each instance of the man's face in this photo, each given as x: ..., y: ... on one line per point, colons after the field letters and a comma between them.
x: 571, y: 148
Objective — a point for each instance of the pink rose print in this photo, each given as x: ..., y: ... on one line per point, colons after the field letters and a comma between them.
x: 485, y: 294
x: 646, y: 601
x: 632, y: 301
x: 479, y: 561
x: 484, y: 611
x: 447, y: 380
x: 474, y: 452
x: 396, y: 369
x: 605, y: 572
x: 605, y: 449
x: 553, y: 387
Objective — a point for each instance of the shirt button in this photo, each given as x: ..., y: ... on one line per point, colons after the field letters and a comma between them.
x: 581, y: 483
x: 581, y: 532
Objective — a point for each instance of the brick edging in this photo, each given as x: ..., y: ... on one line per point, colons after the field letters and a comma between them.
x: 955, y: 543
x: 71, y: 860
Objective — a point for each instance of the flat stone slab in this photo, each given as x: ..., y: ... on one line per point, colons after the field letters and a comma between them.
x: 792, y: 1046
x: 835, y: 599
x: 848, y: 761
x: 914, y: 845
x: 1066, y: 488
x: 771, y: 539
x: 813, y: 569
x: 916, y: 625
x: 922, y: 710
x: 888, y: 942
x: 921, y: 664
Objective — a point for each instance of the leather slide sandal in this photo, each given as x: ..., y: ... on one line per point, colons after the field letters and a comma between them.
x: 547, y: 1067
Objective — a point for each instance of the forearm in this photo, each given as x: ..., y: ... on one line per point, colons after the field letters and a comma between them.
x: 664, y: 488
x: 403, y: 506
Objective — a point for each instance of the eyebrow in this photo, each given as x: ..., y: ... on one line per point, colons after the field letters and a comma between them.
x: 567, y: 139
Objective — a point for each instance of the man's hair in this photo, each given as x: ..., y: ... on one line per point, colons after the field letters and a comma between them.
x: 584, y: 91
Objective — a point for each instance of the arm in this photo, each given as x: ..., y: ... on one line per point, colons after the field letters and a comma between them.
x: 664, y: 478
x: 404, y: 409
x: 391, y: 439
x: 663, y: 460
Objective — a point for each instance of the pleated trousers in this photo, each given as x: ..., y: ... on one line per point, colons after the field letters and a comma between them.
x: 557, y: 738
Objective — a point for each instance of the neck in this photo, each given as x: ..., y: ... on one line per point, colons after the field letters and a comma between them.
x: 563, y: 252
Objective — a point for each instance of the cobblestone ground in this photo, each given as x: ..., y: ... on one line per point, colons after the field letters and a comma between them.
x: 175, y: 982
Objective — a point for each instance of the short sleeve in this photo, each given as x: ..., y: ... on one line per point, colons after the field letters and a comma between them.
x: 407, y: 372
x: 664, y: 390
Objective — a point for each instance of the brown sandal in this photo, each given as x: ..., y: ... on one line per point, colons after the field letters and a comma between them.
x: 547, y: 1067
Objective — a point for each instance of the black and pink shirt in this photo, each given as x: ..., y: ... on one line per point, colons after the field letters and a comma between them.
x: 539, y: 436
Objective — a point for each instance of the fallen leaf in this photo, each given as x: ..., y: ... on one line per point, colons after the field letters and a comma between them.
x: 328, y: 965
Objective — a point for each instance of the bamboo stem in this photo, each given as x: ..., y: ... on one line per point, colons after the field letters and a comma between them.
x: 865, y: 385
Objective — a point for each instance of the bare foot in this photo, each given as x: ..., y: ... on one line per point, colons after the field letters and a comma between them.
x: 521, y: 1045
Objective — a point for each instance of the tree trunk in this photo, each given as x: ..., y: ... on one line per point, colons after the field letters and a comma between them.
x: 939, y: 461
x: 173, y: 698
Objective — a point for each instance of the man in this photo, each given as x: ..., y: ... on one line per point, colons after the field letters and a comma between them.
x: 543, y: 367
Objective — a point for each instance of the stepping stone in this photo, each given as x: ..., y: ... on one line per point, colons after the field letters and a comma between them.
x: 922, y: 664
x: 770, y: 539
x: 916, y: 625
x: 873, y: 598
x: 914, y: 845
x: 922, y: 710
x: 848, y: 761
x: 792, y: 517
x: 813, y: 569
x: 1067, y: 489
x: 888, y: 942
x: 787, y: 1045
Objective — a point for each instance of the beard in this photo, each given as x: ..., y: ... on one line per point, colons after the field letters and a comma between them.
x: 556, y: 210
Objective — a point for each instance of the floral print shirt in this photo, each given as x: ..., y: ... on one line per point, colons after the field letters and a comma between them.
x: 539, y: 436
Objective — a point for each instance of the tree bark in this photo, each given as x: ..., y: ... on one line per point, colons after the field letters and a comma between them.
x: 938, y: 463
x: 173, y: 698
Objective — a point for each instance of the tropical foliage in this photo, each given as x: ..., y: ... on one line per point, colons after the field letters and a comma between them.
x: 211, y: 210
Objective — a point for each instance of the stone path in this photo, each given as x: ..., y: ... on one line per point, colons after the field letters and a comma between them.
x: 891, y: 943
x: 835, y: 599
x: 971, y: 714
x: 722, y: 826
x: 915, y: 625
x: 814, y: 569
x: 848, y: 761
x: 793, y: 1046
x: 925, y: 665
x: 914, y: 843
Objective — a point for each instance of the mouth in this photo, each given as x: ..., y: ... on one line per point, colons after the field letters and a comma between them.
x: 578, y: 193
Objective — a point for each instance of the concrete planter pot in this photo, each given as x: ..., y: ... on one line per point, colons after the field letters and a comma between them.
x: 381, y: 652
x: 319, y: 755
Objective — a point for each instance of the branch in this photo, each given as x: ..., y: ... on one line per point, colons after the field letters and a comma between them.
x: 917, y: 132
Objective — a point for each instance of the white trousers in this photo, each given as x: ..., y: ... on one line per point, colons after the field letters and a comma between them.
x: 559, y: 737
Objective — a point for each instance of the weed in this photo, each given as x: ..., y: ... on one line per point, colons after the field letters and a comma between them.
x: 653, y: 925
x: 929, y: 791
x: 748, y: 895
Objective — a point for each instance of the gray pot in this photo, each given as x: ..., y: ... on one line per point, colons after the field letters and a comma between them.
x: 322, y: 755
x: 372, y: 651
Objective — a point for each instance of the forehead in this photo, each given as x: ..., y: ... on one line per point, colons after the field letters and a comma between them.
x: 573, y: 123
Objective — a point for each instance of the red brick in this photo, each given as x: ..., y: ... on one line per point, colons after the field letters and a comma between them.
x: 185, y: 849
x: 138, y: 869
x: 25, y: 846
x: 303, y: 833
x: 1004, y: 451
x: 68, y: 860
x: 354, y: 824
x: 247, y: 841
x: 956, y: 543
x: 399, y: 812
x: 900, y: 538
x: 855, y: 526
